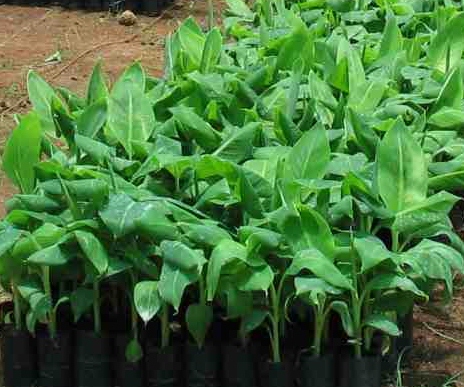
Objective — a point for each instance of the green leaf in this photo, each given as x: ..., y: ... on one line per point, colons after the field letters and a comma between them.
x: 95, y: 149
x: 310, y: 156
x: 343, y: 311
x: 155, y: 223
x: 316, y: 286
x: 147, y: 300
x: 392, y: 39
x: 81, y: 301
x: 134, y: 75
x: 383, y: 324
x: 97, y: 89
x: 199, y: 318
x: 205, y: 235
x: 121, y: 213
x: 431, y: 211
x: 452, y: 92
x: 130, y: 115
x: 41, y: 95
x: 447, y: 118
x: 320, y: 265
x: 211, y: 51
x: 93, y: 249
x: 203, y: 133
x: 238, y: 146
x: 249, y: 197
x: 224, y: 253
x: 401, y: 169
x: 173, y: 282
x: 22, y: 152
x: 308, y: 229
x: 92, y: 119
x: 252, y: 321
x: 256, y: 279
x: 8, y: 237
x: 372, y: 252
x: 239, y: 8
x: 179, y: 255
x: 394, y: 281
x: 134, y: 351
x: 50, y: 256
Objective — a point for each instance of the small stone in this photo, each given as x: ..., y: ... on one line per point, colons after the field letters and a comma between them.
x: 3, y: 105
x: 127, y: 18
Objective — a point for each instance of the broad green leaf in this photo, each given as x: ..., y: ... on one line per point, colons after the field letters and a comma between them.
x: 155, y: 223
x: 134, y: 351
x: 95, y: 149
x: 252, y: 321
x: 431, y: 211
x: 81, y: 302
x: 372, y: 252
x: 199, y: 318
x: 401, y: 169
x: 238, y: 145
x: 211, y: 51
x: 180, y: 256
x: 97, y: 89
x: 250, y: 199
x: 134, y: 75
x: 447, y: 118
x: 41, y: 95
x: 256, y: 279
x: 224, y: 253
x: 305, y: 285
x: 320, y: 265
x: 203, y: 133
x: 147, y: 300
x: 392, y: 39
x: 121, y: 213
x: 191, y: 40
x: 22, y: 152
x: 308, y: 229
x: 8, y: 237
x: 130, y: 115
x: 310, y: 156
x: 205, y: 235
x: 93, y: 249
x: 394, y: 281
x: 38, y: 203
x: 239, y: 8
x: 451, y: 93
x: 382, y: 323
x: 92, y: 119
x: 44, y: 236
x: 343, y: 311
x: 50, y: 256
x: 173, y: 282
x: 366, y: 137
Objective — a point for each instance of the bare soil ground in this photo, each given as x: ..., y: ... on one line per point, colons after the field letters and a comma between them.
x: 30, y: 35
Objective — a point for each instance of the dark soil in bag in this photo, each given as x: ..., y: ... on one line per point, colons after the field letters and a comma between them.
x: 238, y: 368
x: 363, y: 372
x: 202, y: 365
x: 93, y: 360
x: 316, y: 371
x: 163, y: 366
x: 127, y: 374
x: 406, y: 325
x: 276, y: 375
x: 55, y: 360
x: 19, y: 358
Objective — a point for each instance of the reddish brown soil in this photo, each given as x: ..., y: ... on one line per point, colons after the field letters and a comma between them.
x: 29, y: 35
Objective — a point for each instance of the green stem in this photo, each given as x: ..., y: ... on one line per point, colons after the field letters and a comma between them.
x: 135, y: 319
x: 202, y: 287
x: 210, y: 14
x: 318, y: 331
x: 96, y: 308
x: 165, y: 325
x: 275, y: 325
x: 17, y: 306
x: 48, y: 292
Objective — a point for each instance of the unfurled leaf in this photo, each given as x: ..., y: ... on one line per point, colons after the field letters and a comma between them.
x: 401, y: 169
x: 97, y: 89
x: 50, y: 256
x: 22, y: 152
x: 382, y: 323
x: 199, y: 318
x: 211, y: 51
x: 93, y: 249
x: 147, y: 300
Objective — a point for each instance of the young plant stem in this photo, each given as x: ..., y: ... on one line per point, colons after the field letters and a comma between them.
x: 357, y: 306
x: 17, y: 307
x: 275, y: 320
x: 318, y: 331
x: 202, y: 289
x: 165, y: 325
x: 96, y: 308
x: 48, y: 292
x: 135, y: 326
x: 210, y: 14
